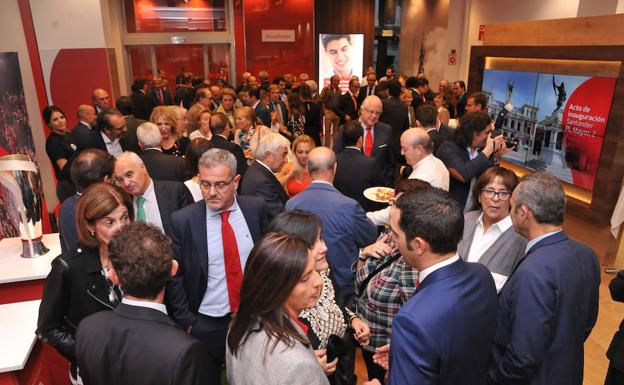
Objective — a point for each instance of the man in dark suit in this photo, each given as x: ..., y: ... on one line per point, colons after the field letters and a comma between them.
x: 459, y: 89
x: 138, y: 343
x: 262, y: 112
x: 469, y: 153
x: 368, y: 89
x: 427, y: 118
x: 83, y: 131
x: 154, y: 200
x: 111, y: 127
x: 419, y: 87
x: 90, y: 166
x: 129, y: 140
x: 550, y: 303
x: 220, y: 132
x: 277, y: 107
x: 159, y: 166
x: 443, y: 334
x: 395, y: 114
x: 346, y: 228
x: 377, y: 138
x: 160, y: 96
x: 101, y: 100
x: 354, y: 171
x: 348, y: 101
x: 211, y: 241
x: 143, y: 105
x: 260, y: 180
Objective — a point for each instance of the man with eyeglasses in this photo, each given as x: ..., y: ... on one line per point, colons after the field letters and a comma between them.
x: 377, y: 137
x: 212, y: 240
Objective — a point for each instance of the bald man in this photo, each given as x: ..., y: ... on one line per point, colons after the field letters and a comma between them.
x: 101, y: 100
x: 417, y: 147
x: 346, y: 228
x: 86, y: 126
x: 154, y: 200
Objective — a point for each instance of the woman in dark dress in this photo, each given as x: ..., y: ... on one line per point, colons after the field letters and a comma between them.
x: 166, y: 119
x: 313, y: 114
x: 329, y: 316
x: 78, y: 284
x: 61, y: 150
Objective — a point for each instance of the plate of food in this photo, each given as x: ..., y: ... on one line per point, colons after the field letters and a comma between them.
x: 379, y: 194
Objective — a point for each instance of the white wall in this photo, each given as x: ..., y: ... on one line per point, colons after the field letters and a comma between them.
x: 14, y: 41
x: 68, y: 24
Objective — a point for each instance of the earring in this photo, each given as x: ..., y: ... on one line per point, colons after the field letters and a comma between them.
x: 92, y: 234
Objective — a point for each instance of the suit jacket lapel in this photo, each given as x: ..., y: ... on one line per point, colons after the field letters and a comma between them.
x: 199, y: 231
x: 163, y: 204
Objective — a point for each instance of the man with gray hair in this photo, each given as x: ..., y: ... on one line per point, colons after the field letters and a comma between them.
x: 260, y: 179
x: 550, y: 303
x: 159, y: 166
x: 377, y: 138
x: 154, y: 200
x: 417, y: 148
x: 211, y: 242
x: 346, y: 228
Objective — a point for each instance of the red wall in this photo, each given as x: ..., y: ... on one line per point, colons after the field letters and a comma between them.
x: 277, y: 58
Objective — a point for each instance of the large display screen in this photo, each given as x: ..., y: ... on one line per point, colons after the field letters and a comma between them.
x: 558, y: 121
x: 342, y: 55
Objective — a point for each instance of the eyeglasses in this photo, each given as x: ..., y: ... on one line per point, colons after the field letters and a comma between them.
x: 375, y: 113
x: 218, y: 186
x: 489, y: 193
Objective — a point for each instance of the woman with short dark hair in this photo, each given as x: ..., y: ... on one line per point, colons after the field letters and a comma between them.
x: 267, y: 344
x: 489, y: 236
x: 78, y: 284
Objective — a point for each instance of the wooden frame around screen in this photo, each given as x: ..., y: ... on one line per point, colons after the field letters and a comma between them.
x: 611, y: 165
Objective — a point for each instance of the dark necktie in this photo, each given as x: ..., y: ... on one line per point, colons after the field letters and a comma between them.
x: 231, y: 258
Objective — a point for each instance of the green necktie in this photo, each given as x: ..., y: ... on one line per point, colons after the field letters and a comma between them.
x: 140, y: 215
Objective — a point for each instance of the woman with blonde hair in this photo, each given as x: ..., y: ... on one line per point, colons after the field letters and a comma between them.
x: 182, y: 124
x: 203, y: 126
x: 248, y: 130
x: 166, y: 119
x: 295, y: 176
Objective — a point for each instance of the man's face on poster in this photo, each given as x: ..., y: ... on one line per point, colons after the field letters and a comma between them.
x: 339, y: 53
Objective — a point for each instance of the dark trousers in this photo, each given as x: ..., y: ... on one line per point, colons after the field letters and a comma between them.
x: 213, y: 332
x: 374, y: 370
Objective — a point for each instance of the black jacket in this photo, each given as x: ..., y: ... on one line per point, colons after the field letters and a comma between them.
x: 74, y: 289
x: 171, y: 196
x: 163, y: 166
x: 356, y: 172
x: 262, y: 183
x: 241, y: 162
x: 138, y: 345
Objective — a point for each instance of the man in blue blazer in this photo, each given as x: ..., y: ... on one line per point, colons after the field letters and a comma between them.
x: 199, y: 297
x: 550, y: 303
x: 262, y: 111
x: 444, y: 333
x: 346, y: 228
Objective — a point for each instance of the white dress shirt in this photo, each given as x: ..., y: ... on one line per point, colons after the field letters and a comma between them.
x: 483, y: 240
x: 216, y: 302
x: 150, y: 205
x: 112, y: 146
x: 532, y: 242
x: 432, y: 170
x: 425, y: 272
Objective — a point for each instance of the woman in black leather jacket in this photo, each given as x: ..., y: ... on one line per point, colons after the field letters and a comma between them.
x: 77, y: 285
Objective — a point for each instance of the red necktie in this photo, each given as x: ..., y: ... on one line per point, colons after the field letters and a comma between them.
x: 354, y: 101
x: 233, y: 270
x: 368, y: 142
x: 160, y: 96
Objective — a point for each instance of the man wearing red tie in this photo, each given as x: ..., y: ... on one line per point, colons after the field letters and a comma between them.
x: 377, y: 138
x: 212, y: 240
x: 160, y: 95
